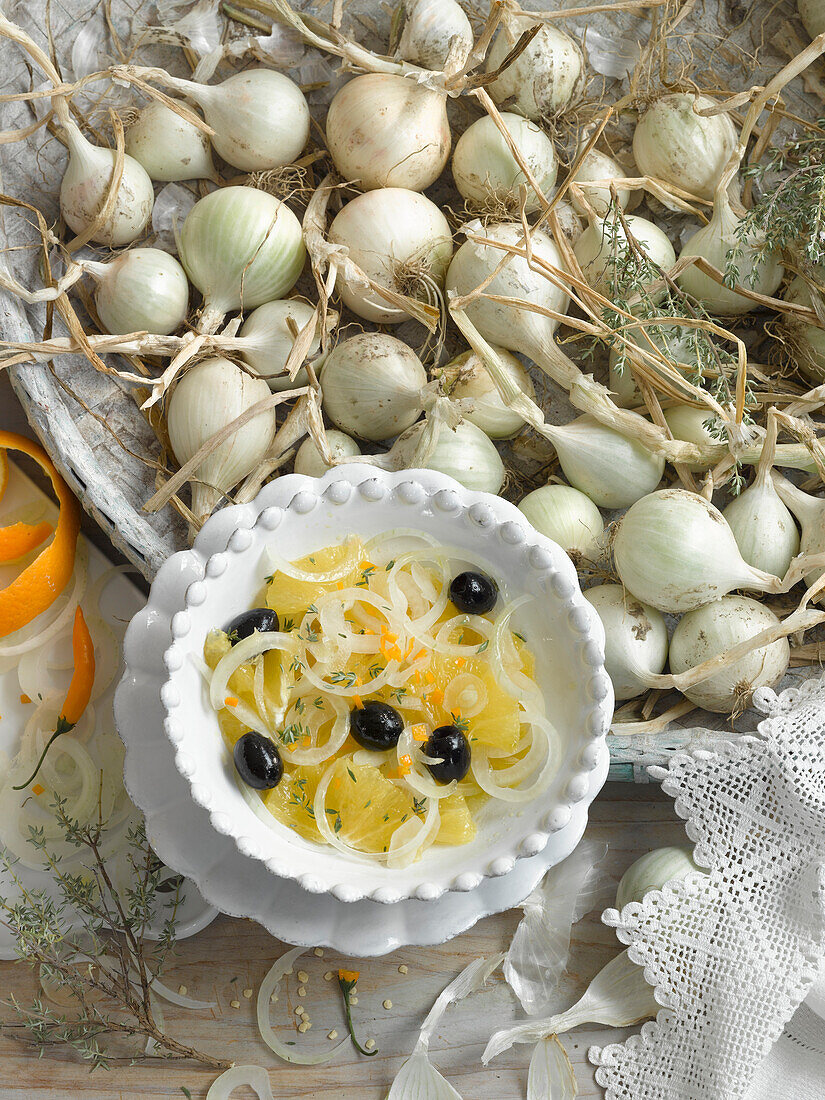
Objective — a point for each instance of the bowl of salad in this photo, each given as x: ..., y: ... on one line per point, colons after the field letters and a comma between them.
x: 383, y: 685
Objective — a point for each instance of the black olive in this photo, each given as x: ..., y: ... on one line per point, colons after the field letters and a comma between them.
x: 376, y: 726
x: 452, y: 750
x: 474, y: 593
x: 258, y: 761
x: 260, y: 619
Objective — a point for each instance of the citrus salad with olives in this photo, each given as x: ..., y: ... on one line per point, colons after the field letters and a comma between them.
x: 375, y: 701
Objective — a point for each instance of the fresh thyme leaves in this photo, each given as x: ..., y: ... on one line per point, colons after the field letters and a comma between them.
x: 789, y: 213
x: 520, y: 637
x: 483, y: 645
x: 459, y: 722
x: 389, y: 565
x: 398, y: 694
x: 366, y: 573
x: 105, y: 965
x: 346, y: 678
x: 351, y: 774
x: 287, y: 625
x: 300, y: 706
x: 296, y: 665
x: 419, y: 805
x: 292, y: 733
x: 299, y: 796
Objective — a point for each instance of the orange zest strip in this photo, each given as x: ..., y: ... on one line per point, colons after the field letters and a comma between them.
x: 406, y: 760
x: 460, y: 662
x: 25, y: 699
x: 428, y: 676
x: 230, y: 701
x: 306, y: 741
x: 358, y: 702
x: 80, y: 688
x: 436, y: 697
x: 20, y: 538
x: 419, y: 733
x: 366, y: 564
x: 40, y: 583
x: 38, y: 789
x: 421, y: 653
x: 409, y: 648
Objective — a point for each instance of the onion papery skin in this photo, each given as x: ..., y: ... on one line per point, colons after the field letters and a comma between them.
x: 85, y: 186
x: 672, y: 142
x: 241, y: 247
x: 595, y: 249
x: 260, y: 118
x: 673, y: 341
x: 812, y: 14
x: 207, y: 398
x: 467, y: 454
x: 810, y: 512
x: 384, y: 130
x: 270, y: 340
x: 635, y: 638
x: 690, y: 424
x: 763, y: 527
x: 467, y: 376
x: 485, y: 170
x: 807, y: 341
x: 501, y: 323
x: 391, y: 233
x: 546, y: 78
x: 142, y: 290
x: 599, y: 166
x: 568, y: 517
x: 711, y: 630
x: 611, y: 469
x: 675, y: 551
x: 169, y: 147
x: 372, y: 386
x: 713, y: 242
x: 431, y: 29
x: 308, y: 460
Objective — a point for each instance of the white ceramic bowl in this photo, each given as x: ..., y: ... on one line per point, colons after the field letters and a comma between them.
x: 303, y: 514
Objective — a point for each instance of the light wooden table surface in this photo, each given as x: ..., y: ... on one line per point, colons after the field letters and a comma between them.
x: 231, y: 956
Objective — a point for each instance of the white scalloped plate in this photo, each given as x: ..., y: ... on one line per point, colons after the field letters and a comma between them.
x: 223, y: 573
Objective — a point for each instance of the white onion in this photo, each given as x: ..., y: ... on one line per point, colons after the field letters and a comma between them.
x: 385, y: 130
x: 205, y: 399
x: 714, y: 629
x: 599, y: 166
x: 401, y: 241
x: 141, y: 290
x: 810, y: 512
x: 241, y: 247
x: 504, y: 324
x: 169, y: 147
x: 260, y: 118
x: 467, y: 377
x: 635, y: 639
x: 546, y: 78
x: 86, y: 184
x: 568, y: 517
x: 759, y: 269
x: 807, y: 341
x: 485, y: 169
x: 309, y: 461
x: 432, y: 29
x: 254, y: 1077
x: 674, y: 342
x: 651, y: 871
x: 672, y: 142
x: 608, y: 467
x: 372, y: 386
x: 690, y: 424
x: 604, y: 242
x: 467, y: 454
x: 266, y: 340
x: 763, y: 526
x: 675, y: 551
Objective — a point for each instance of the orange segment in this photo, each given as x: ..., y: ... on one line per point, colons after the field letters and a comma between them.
x: 40, y: 583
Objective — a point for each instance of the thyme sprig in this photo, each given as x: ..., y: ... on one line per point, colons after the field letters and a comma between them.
x: 88, y: 937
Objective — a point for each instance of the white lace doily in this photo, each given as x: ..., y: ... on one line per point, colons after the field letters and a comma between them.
x: 732, y: 954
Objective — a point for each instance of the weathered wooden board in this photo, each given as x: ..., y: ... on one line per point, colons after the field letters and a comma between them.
x: 233, y: 955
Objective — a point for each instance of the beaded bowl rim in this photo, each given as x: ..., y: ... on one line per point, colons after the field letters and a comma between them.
x: 235, y: 531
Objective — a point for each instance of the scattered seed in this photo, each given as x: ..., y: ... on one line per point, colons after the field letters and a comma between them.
x: 234, y: 1004
x: 273, y: 998
x: 247, y: 993
x: 182, y: 990
x: 303, y: 977
x: 303, y: 1027
x: 387, y: 1004
x: 318, y: 952
x: 302, y: 992
x: 333, y: 1034
x: 304, y: 1015
x: 403, y: 969
x: 353, y: 1000
x: 299, y: 1010
x: 328, y: 976
x: 370, y: 1043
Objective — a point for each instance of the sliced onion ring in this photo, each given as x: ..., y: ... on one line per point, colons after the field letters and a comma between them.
x: 269, y: 985
x: 486, y: 777
x: 255, y: 1077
